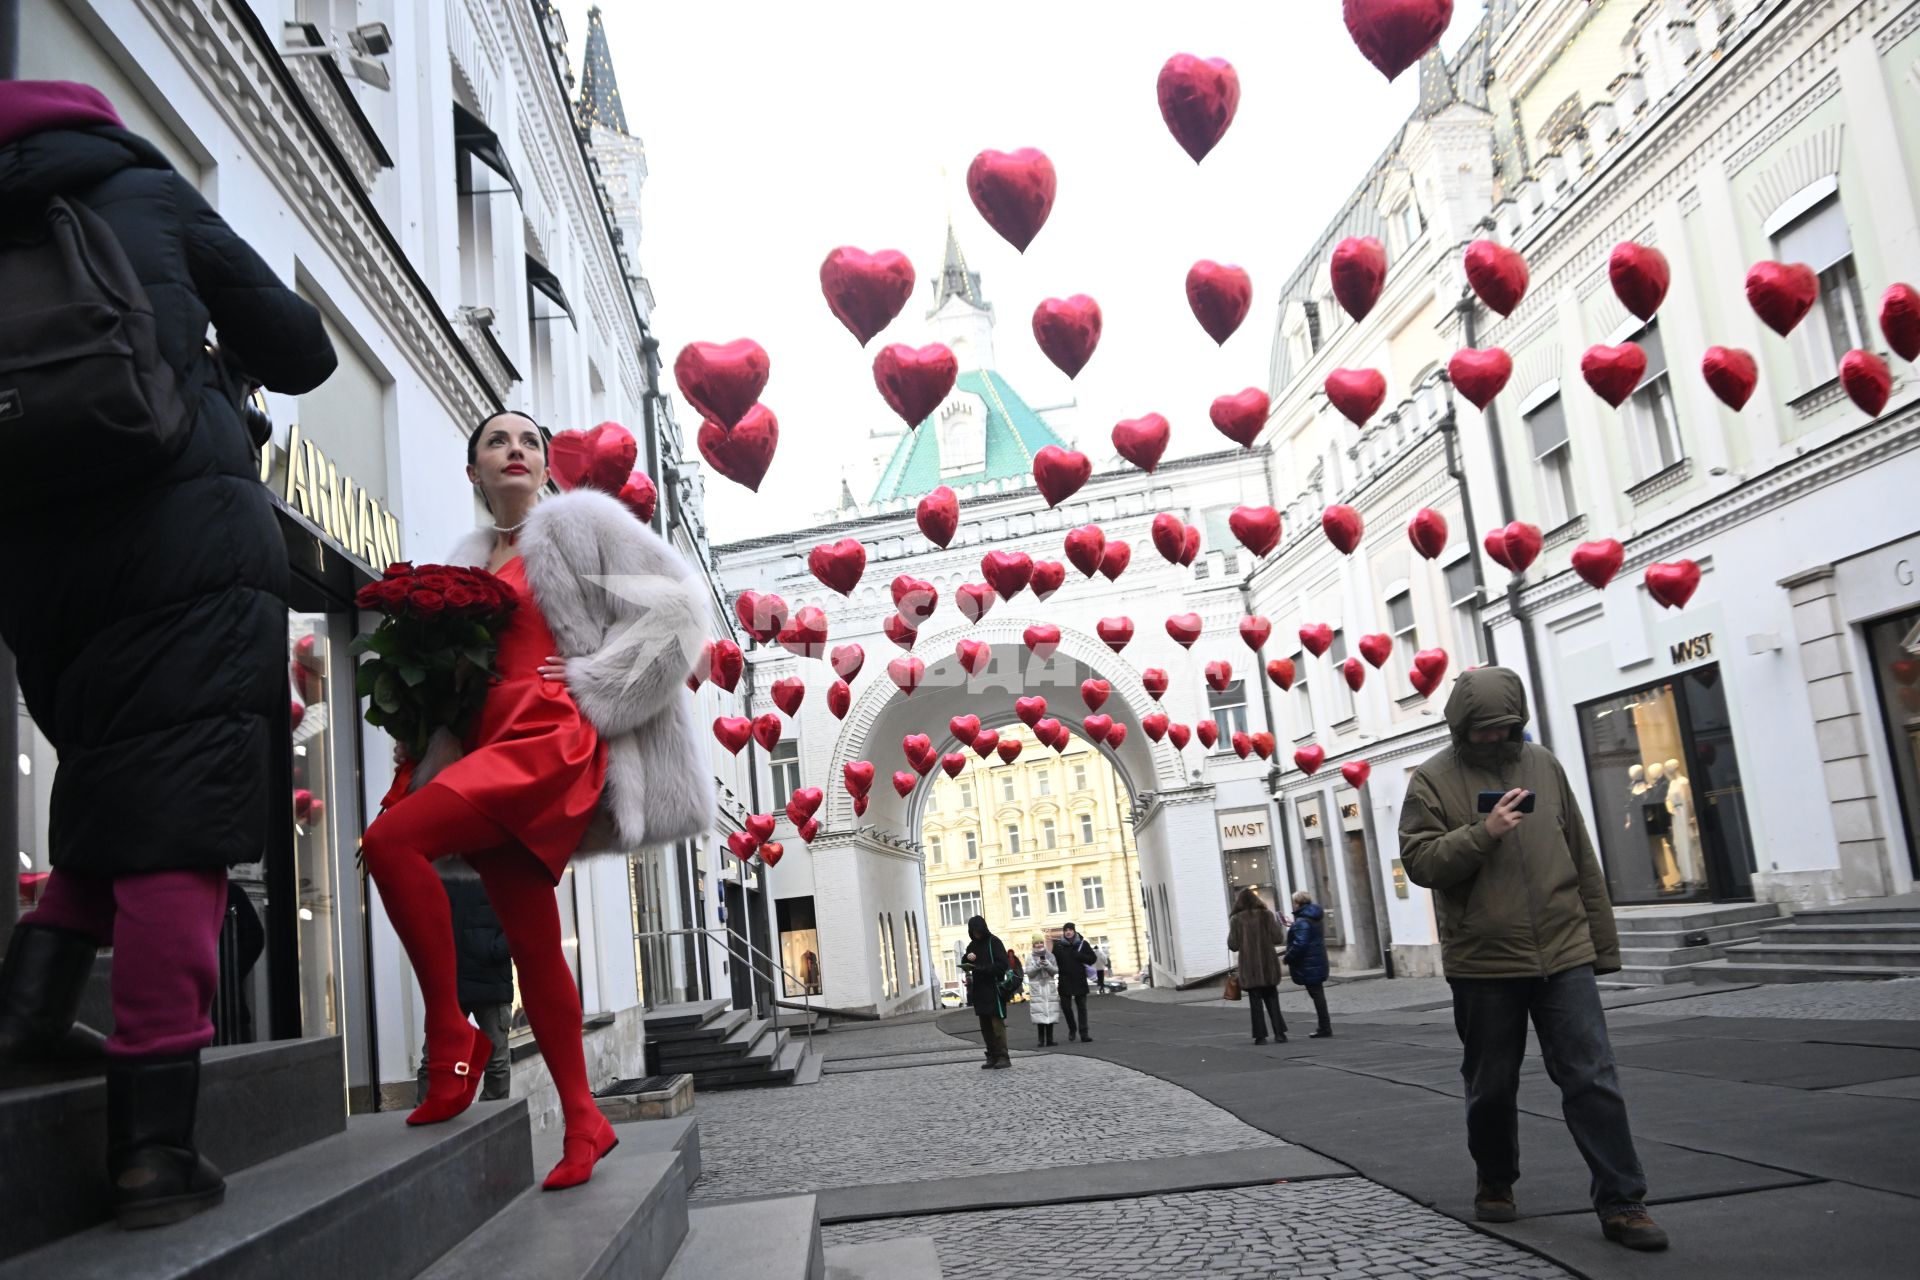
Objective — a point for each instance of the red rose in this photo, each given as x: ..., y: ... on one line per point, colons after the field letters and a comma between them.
x: 399, y: 569
x: 464, y: 597
x: 426, y: 603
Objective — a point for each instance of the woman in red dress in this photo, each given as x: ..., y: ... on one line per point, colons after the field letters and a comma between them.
x: 585, y: 742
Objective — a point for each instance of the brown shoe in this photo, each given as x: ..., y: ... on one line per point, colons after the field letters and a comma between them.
x: 1493, y: 1202
x: 1635, y: 1230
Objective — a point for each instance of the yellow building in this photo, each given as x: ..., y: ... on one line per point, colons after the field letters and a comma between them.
x: 1032, y: 845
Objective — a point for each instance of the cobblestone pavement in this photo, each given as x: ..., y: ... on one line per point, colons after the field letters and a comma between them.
x: 1897, y: 999
x: 942, y: 1121
x: 1341, y: 1227
x: 875, y: 1041
x: 1360, y: 995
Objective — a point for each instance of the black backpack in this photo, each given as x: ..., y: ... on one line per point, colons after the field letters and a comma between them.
x: 86, y: 400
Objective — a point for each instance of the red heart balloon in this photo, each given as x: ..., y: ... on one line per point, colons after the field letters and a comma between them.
x: 1280, y: 671
x: 1355, y: 672
x: 984, y: 742
x: 1523, y: 543
x: 1220, y: 295
x: 760, y: 615
x: 600, y: 459
x: 1208, y: 732
x: 743, y: 454
x: 1395, y: 34
x: 1068, y: 329
x: 1115, y: 559
x: 859, y: 806
x: 1376, y: 648
x: 1097, y: 727
x: 900, y: 631
x: 1240, y: 417
x: 1356, y: 772
x: 838, y: 564
x: 766, y: 730
x: 914, y: 598
x: 1900, y: 320
x: 1242, y: 744
x: 297, y: 712
x: 846, y: 660
x: 1085, y: 546
x: 722, y: 380
x: 1042, y: 640
x: 913, y: 381
x: 1116, y: 735
x: 1141, y: 441
x: 1781, y: 293
x: 839, y: 698
x: 1169, y: 536
x: 1498, y: 275
x: 1867, y: 380
x: 1060, y: 472
x: 1262, y: 744
x: 760, y: 826
x: 1427, y: 531
x: 1184, y: 628
x: 741, y: 845
x: 1051, y: 732
x: 1672, y: 585
x: 771, y: 852
x: 1597, y: 562
x: 810, y: 829
x: 1343, y: 527
x: 865, y: 291
x: 1009, y: 749
x: 725, y: 664
x: 1007, y: 571
x: 1905, y: 670
x: 1219, y: 675
x: 1731, y: 374
x: 953, y: 762
x: 1316, y: 638
x: 1431, y: 666
x: 1030, y: 710
x: 1613, y: 372
x: 1154, y: 725
x: 1190, y: 548
x: 732, y: 732
x: 974, y: 655
x: 964, y: 727
x: 1095, y: 693
x: 1013, y: 192
x: 1254, y: 631
x: 1481, y: 374
x: 1198, y: 97
x: 1154, y: 681
x: 639, y: 495
x: 857, y: 776
x: 803, y: 804
x: 805, y: 635
x: 906, y: 672
x: 1422, y: 681
x: 1115, y: 633
x: 938, y: 515
x: 1309, y: 759
x: 788, y: 693
x: 1179, y: 735
x: 1358, y: 269
x: 974, y: 599
x: 918, y: 748
x: 1356, y: 393
x: 1640, y: 276
x: 1257, y: 528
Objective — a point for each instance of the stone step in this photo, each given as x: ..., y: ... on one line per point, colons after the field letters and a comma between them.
x: 717, y: 1029
x: 1858, y: 915
x: 1661, y: 957
x: 670, y: 1017
x: 679, y: 1135
x: 777, y: 1239
x: 1687, y: 917
x: 1673, y: 939
x: 257, y: 1101
x: 781, y: 1071
x: 905, y: 1258
x: 1633, y: 975
x: 1718, y: 971
x: 1862, y: 934
x: 757, y: 1043
x: 627, y: 1221
x: 381, y: 1201
x: 1827, y: 955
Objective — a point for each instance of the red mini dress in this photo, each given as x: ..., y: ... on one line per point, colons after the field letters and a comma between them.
x: 533, y: 762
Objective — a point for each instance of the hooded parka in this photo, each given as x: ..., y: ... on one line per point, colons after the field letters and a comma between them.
x: 989, y: 966
x: 150, y: 623
x: 1532, y: 903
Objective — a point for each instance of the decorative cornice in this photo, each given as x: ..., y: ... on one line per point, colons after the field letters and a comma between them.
x: 1812, y: 402
x: 1903, y: 25
x: 1663, y: 481
x: 1419, y: 740
x: 1802, y: 107
x: 346, y: 124
x: 1150, y: 804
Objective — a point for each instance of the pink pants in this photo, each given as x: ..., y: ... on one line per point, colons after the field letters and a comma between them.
x: 164, y: 928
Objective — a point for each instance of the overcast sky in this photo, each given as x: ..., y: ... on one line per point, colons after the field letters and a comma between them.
x: 773, y: 136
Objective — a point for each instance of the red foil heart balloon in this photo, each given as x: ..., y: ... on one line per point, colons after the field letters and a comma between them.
x: 1208, y: 732
x: 741, y: 845
x: 1154, y: 681
x: 1356, y: 393
x: 1085, y: 546
x: 1009, y: 749
x: 1190, y: 547
x: 1358, y: 269
x: 1356, y: 772
x: 600, y: 459
x: 900, y: 631
x: 732, y: 732
x: 1343, y: 527
x: 973, y: 600
x: 1731, y: 374
x: 788, y: 693
x: 1263, y: 745
x: 762, y: 616
x: 1042, y: 640
x: 1640, y: 276
x: 1198, y: 97
x: 760, y: 826
x: 722, y: 380
x: 1900, y: 320
x: 1179, y: 735
x: 953, y: 762
x: 1376, y: 648
x: 1280, y: 671
x: 1116, y: 735
x: 1219, y: 675
x: 914, y: 599
x: 1427, y: 531
x: 1013, y: 191
x: 743, y: 454
x: 771, y: 852
x: 1429, y: 666
x: 1781, y: 293
x: 1480, y: 375
x: 1008, y: 572
x: 1115, y: 559
x: 639, y: 495
x: 766, y: 730
x: 1240, y: 417
x: 1030, y: 710
x: 839, y: 698
x: 1515, y: 546
x: 1867, y: 381
x: 1242, y: 744
x: 906, y: 672
x: 859, y: 806
x: 1395, y: 34
x: 1097, y: 727
x: 1060, y: 472
x: 1184, y: 628
x: 803, y: 804
x: 984, y: 742
x: 918, y: 748
x: 1355, y: 673
x: 1254, y: 631
x: 1141, y: 441
x: 805, y: 635
x: 1257, y: 528
x: 913, y: 381
x: 1154, y: 725
x: 1067, y: 329
x: 810, y: 829
x: 725, y: 664
x: 865, y: 291
x: 1614, y: 372
x: 1672, y: 585
x: 1220, y: 295
x: 1169, y: 534
x: 974, y: 655
x: 1498, y: 275
x: 1115, y: 633
x: 838, y: 565
x: 1597, y: 562
x: 938, y: 515
x: 857, y: 776
x: 846, y: 660
x: 1050, y: 731
x: 1316, y: 638
x: 1309, y: 759
x: 964, y: 727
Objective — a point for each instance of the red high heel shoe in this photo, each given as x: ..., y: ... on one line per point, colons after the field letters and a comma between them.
x: 582, y: 1152
x: 464, y: 1079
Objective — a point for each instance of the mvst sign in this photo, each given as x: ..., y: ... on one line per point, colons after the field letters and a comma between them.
x: 1246, y: 829
x: 1693, y: 650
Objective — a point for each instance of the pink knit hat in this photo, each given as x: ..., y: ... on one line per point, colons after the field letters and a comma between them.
x: 34, y: 106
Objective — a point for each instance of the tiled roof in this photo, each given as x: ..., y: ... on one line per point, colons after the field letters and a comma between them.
x: 599, y: 91
x: 1014, y: 433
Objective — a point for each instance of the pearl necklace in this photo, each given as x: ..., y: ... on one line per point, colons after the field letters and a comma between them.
x: 511, y: 529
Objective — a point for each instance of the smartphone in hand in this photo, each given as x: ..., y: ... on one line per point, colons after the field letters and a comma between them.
x: 1488, y: 799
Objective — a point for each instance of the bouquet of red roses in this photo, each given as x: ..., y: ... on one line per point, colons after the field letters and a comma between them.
x: 431, y: 658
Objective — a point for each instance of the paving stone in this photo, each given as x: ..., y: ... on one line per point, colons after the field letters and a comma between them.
x: 1896, y: 1000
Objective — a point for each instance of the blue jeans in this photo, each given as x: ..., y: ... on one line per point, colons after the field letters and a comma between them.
x: 1491, y: 1016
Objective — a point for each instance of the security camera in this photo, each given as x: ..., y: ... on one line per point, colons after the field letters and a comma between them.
x: 371, y: 39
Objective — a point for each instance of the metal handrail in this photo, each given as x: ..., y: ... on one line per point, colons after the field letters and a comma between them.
x: 728, y: 939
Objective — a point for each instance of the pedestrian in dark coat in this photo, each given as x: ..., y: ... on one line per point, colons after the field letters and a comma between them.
x: 1307, y: 957
x: 1073, y: 954
x: 985, y: 962
x: 485, y: 979
x: 149, y: 623
x: 1253, y: 933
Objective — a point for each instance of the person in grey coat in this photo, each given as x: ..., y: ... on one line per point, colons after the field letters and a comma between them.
x: 1254, y: 935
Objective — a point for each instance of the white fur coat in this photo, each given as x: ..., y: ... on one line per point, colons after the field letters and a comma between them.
x: 630, y: 616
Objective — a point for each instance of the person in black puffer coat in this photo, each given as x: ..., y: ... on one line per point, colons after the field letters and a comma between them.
x: 149, y: 625
x: 1307, y: 957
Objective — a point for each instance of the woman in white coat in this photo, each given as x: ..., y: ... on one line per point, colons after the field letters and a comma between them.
x: 1043, y: 990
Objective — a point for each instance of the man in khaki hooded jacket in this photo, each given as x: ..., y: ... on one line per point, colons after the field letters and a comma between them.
x: 1525, y: 924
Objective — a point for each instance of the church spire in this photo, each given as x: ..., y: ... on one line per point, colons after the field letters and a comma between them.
x: 599, y: 91
x: 956, y: 280
x: 1437, y: 90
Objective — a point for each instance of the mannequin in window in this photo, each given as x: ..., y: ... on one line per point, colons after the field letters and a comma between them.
x: 1686, y: 828
x: 1659, y: 821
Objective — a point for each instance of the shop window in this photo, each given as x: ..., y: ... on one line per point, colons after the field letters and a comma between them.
x: 1553, y: 459
x: 1228, y: 707
x: 784, y: 760
x: 955, y: 908
x: 799, y: 946
x: 1018, y: 903
x: 1046, y: 833
x: 1838, y: 322
x: 1668, y: 805
x: 1093, y: 894
x: 1086, y: 828
x: 1406, y: 639
x: 1056, y: 897
x: 1895, y: 646
x: 1653, y: 423
x: 973, y: 846
x: 1463, y: 596
x: 1317, y: 852
x: 1013, y: 839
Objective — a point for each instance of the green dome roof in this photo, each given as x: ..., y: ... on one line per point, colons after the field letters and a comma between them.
x: 1014, y: 433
